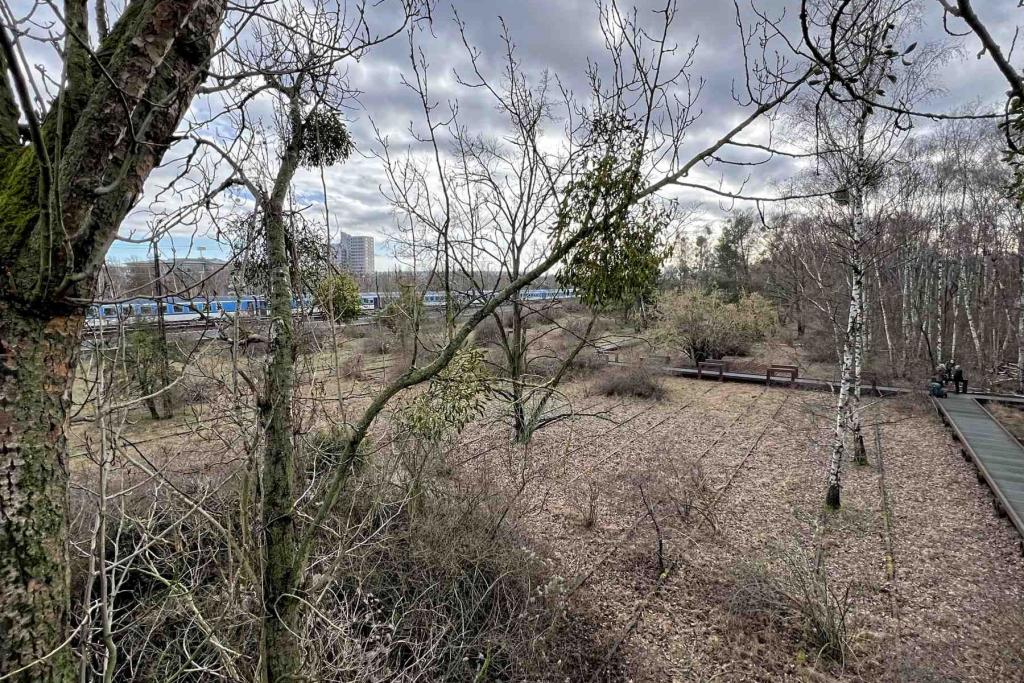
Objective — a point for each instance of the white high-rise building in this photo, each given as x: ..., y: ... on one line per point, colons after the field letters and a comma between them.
x: 354, y: 253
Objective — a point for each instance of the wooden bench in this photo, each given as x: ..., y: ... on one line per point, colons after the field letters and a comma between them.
x: 791, y: 371
x: 716, y: 365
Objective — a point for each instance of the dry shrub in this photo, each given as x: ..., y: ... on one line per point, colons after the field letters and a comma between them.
x: 788, y: 590
x: 630, y: 382
x: 430, y: 583
x: 819, y: 348
x: 575, y: 327
x: 488, y: 333
x: 375, y: 345
x: 585, y: 499
x: 195, y: 389
x: 176, y: 594
x: 359, y: 330
x: 442, y: 597
x: 588, y: 361
x: 308, y: 339
x: 352, y: 367
x: 692, y: 495
x: 574, y: 307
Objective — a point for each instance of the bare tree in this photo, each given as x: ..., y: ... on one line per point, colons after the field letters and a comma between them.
x: 853, y: 42
x: 296, y: 50
x: 118, y: 109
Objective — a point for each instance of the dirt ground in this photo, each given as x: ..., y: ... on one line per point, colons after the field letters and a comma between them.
x: 730, y: 478
x: 732, y: 474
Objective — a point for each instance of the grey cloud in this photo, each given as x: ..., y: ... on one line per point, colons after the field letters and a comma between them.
x: 560, y: 37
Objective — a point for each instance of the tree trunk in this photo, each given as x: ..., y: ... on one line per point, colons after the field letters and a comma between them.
x: 856, y: 332
x: 37, y: 362
x: 940, y: 309
x: 835, y: 463
x: 281, y: 573
x: 969, y: 315
x: 1020, y: 312
x: 856, y: 423
x: 885, y: 322
x: 148, y: 66
x: 278, y: 482
x: 517, y: 368
x: 161, y: 326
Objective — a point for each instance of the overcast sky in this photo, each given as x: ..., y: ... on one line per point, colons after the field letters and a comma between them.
x: 560, y: 36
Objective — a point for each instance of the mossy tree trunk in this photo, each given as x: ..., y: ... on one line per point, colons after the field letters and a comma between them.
x: 281, y: 574
x: 37, y: 359
x: 62, y: 199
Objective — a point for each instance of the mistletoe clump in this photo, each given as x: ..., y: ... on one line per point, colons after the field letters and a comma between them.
x: 325, y: 140
x: 452, y: 400
x: 620, y: 259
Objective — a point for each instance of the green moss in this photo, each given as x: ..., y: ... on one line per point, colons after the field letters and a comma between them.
x: 19, y: 206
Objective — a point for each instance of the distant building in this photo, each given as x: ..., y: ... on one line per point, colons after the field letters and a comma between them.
x: 354, y: 253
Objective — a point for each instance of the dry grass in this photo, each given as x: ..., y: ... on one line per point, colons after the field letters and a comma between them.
x: 959, y: 573
x: 629, y: 382
x: 1010, y: 415
x: 788, y: 590
x: 724, y: 499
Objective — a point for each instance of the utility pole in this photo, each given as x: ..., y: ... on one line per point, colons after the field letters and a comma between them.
x: 202, y: 283
x: 161, y: 326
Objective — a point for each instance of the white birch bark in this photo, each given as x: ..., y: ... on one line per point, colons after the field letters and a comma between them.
x: 835, y: 463
x: 954, y: 332
x: 890, y: 352
x: 940, y: 310
x: 856, y: 332
x: 966, y: 305
x: 847, y: 408
x: 1020, y: 313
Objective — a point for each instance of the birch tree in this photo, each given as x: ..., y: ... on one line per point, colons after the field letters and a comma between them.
x: 854, y: 43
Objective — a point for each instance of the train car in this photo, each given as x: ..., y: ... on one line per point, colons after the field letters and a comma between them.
x: 546, y: 294
x: 369, y: 301
x: 434, y: 299
x: 176, y: 311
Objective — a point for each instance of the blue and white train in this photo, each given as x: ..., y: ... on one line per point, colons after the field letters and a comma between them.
x: 175, y: 310
x: 182, y: 311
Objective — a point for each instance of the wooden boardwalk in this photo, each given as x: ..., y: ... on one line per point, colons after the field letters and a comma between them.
x: 997, y: 454
x: 815, y: 384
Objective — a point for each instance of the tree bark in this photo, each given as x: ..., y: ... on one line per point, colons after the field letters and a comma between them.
x: 835, y: 463
x: 1020, y: 312
x: 856, y: 328
x: 37, y: 361
x: 969, y: 315
x: 885, y: 321
x: 281, y: 574
x: 940, y: 309
x: 113, y: 122
x: 517, y: 368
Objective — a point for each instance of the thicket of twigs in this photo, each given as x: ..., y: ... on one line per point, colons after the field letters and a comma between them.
x: 420, y: 575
